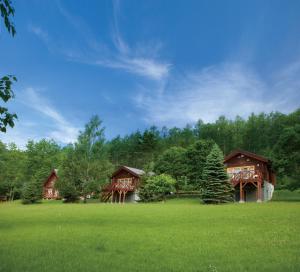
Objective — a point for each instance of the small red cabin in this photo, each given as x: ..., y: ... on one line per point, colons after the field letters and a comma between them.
x: 49, y: 191
x: 251, y: 175
x: 123, y: 187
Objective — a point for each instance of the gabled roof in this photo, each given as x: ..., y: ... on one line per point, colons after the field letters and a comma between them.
x: 53, y: 173
x: 134, y: 171
x: 246, y: 153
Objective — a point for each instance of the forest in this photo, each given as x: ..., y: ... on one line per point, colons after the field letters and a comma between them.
x: 86, y: 165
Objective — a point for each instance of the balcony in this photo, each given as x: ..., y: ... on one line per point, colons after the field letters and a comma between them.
x: 246, y: 176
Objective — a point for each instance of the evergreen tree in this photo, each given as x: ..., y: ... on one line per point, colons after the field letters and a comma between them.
x: 32, y: 193
x: 217, y: 187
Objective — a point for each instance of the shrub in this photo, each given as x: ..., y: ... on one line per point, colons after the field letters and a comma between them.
x: 155, y: 188
x: 31, y: 193
x: 67, y: 191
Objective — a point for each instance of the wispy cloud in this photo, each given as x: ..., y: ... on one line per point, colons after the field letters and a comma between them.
x: 63, y: 131
x: 90, y: 50
x: 228, y: 89
x: 40, y: 119
x: 43, y: 35
x: 135, y: 60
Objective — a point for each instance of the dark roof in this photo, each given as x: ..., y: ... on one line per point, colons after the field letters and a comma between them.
x: 134, y: 171
x: 246, y: 153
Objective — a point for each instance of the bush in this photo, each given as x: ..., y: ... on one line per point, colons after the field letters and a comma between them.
x: 31, y: 193
x: 67, y: 191
x: 286, y: 195
x: 288, y: 182
x: 156, y: 188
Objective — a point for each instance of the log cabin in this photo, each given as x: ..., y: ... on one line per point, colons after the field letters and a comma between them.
x: 123, y: 186
x: 49, y: 190
x: 251, y: 175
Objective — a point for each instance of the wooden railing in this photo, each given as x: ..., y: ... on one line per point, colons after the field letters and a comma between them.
x: 246, y: 175
x: 119, y: 186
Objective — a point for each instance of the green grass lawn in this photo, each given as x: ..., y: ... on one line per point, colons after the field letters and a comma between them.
x: 180, y: 235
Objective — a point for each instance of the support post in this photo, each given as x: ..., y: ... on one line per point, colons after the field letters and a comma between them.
x: 120, y: 196
x: 241, y: 193
x: 124, y: 195
x: 112, y: 196
x: 259, y: 192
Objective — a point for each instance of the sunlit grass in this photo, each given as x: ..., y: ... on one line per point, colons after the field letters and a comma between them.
x: 179, y: 235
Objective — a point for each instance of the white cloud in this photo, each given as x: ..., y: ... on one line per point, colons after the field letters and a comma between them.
x: 63, y: 131
x: 47, y: 122
x: 228, y: 89
x: 141, y: 60
x: 38, y: 31
x: 136, y: 61
x: 144, y: 67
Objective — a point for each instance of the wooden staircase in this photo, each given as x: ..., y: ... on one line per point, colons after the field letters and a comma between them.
x: 106, y: 192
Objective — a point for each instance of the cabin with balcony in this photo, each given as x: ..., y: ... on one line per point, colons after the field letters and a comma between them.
x: 123, y: 186
x: 251, y: 175
x: 49, y: 190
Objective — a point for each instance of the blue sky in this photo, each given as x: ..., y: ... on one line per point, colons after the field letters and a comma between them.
x: 142, y: 63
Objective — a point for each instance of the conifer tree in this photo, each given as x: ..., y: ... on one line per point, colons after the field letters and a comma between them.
x: 32, y: 193
x: 217, y: 187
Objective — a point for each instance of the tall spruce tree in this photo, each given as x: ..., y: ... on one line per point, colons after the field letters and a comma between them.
x: 217, y: 187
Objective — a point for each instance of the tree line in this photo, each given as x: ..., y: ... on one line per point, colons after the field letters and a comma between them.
x: 86, y: 165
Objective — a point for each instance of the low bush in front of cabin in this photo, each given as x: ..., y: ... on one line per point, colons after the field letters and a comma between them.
x: 156, y: 188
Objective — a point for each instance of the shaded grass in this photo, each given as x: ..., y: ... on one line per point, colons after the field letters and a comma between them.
x: 179, y: 235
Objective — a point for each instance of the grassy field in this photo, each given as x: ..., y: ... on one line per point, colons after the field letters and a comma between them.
x: 180, y: 235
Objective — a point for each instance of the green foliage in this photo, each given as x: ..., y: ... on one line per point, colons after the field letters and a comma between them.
x: 172, y: 162
x: 86, y: 167
x: 195, y: 160
x: 217, y: 187
x: 185, y: 165
x: 178, y: 152
x: 6, y: 11
x: 42, y: 157
x: 156, y: 188
x: 6, y: 93
x: 12, y: 168
x: 31, y: 193
x: 67, y: 190
x: 286, y: 195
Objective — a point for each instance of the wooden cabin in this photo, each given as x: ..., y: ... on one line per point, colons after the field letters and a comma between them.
x: 49, y: 190
x: 251, y: 175
x: 123, y: 186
